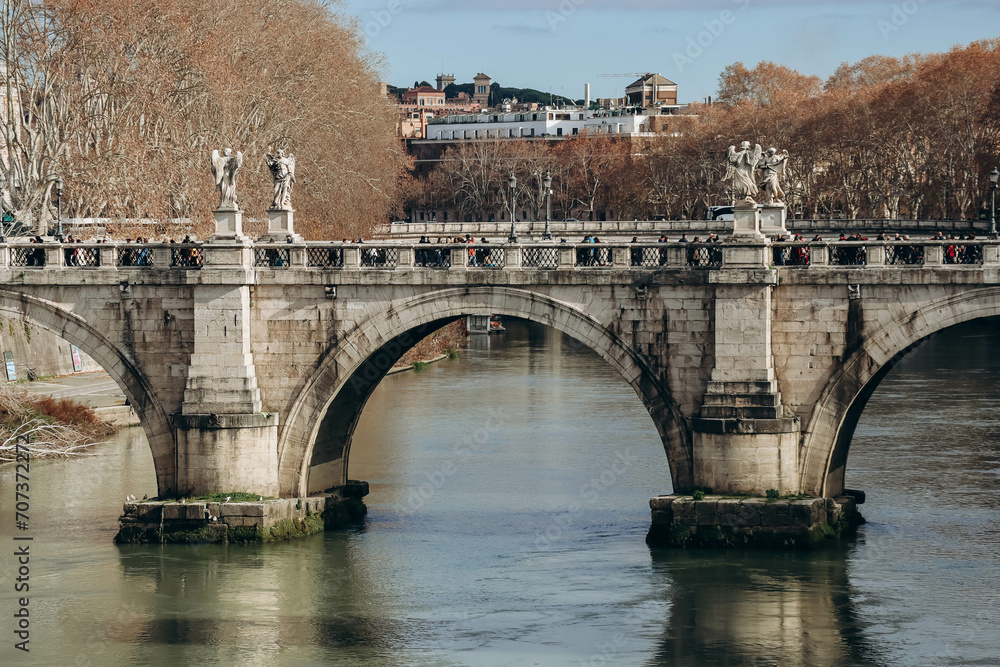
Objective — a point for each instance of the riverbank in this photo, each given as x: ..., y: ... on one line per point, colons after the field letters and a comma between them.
x: 54, y: 427
x: 417, y: 364
x: 442, y: 344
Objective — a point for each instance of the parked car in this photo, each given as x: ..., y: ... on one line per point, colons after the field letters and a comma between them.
x: 719, y: 213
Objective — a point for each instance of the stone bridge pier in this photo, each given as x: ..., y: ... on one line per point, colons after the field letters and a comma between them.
x: 225, y: 438
x: 743, y: 440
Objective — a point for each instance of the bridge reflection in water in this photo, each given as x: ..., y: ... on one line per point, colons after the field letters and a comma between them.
x: 749, y: 608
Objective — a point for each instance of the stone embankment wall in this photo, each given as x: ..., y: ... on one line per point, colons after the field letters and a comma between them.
x: 34, y: 347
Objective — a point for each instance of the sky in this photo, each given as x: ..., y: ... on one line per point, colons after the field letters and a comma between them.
x: 558, y: 45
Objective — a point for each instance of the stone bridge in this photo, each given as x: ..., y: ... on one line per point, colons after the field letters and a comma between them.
x: 249, y: 365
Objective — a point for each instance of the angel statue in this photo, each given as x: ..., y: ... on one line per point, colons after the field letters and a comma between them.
x: 224, y: 168
x: 772, y: 166
x: 283, y: 171
x: 740, y: 167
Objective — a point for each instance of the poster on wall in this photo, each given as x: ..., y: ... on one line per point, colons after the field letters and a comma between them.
x: 77, y: 364
x: 11, y: 371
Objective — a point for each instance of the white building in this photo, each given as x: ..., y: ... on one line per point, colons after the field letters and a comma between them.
x: 548, y: 123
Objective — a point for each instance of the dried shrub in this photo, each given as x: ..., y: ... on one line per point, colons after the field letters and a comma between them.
x: 54, y: 427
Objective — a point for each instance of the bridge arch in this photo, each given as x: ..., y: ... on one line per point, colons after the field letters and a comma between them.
x: 830, y: 429
x: 321, y: 421
x: 124, y: 371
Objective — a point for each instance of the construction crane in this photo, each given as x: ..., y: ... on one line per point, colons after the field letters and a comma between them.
x: 641, y: 75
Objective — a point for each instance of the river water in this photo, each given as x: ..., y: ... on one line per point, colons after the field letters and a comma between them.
x: 509, y: 503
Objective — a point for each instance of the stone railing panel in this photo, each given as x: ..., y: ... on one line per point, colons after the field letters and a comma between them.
x: 955, y: 253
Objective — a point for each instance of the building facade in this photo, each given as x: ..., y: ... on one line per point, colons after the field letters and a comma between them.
x: 481, y: 91
x: 424, y: 96
x: 546, y: 123
x: 444, y: 80
x: 651, y: 90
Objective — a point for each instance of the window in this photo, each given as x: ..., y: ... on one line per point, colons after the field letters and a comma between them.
x: 559, y: 132
x: 576, y: 131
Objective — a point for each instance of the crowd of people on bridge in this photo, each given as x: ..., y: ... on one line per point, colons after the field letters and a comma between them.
x: 590, y: 251
x: 477, y: 256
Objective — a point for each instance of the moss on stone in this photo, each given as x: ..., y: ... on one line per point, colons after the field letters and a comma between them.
x: 344, y: 513
x: 679, y: 535
x: 134, y: 534
x: 246, y: 534
x: 819, y: 536
x: 287, y: 529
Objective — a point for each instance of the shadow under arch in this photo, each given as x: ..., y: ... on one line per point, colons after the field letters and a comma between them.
x: 314, y: 445
x: 124, y: 371
x: 830, y: 430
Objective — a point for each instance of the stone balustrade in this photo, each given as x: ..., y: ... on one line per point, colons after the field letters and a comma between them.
x: 483, y: 257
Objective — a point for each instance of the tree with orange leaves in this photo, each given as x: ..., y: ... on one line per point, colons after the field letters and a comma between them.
x: 125, y: 108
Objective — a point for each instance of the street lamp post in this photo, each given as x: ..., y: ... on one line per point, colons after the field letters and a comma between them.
x: 59, y: 188
x: 994, y: 175
x: 512, y: 181
x: 547, y: 234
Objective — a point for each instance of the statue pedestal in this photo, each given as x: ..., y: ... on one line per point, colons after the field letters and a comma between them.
x: 746, y: 221
x: 228, y: 226
x: 772, y: 220
x: 281, y: 225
